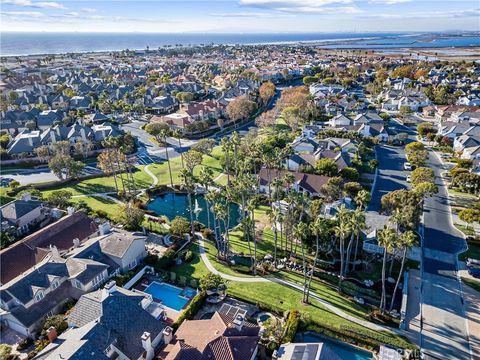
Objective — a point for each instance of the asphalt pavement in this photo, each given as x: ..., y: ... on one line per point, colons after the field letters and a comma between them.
x: 444, y: 333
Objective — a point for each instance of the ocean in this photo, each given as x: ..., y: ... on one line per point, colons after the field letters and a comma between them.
x: 16, y: 43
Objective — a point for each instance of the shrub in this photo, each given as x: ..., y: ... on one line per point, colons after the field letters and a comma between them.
x: 211, y: 281
x: 188, y: 256
x: 25, y: 343
x: 291, y: 326
x: 179, y: 226
x: 166, y: 260
x: 350, y: 173
x: 57, y: 321
x: 192, y: 308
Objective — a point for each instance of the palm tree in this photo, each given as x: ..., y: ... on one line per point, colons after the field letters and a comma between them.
x: 178, y: 134
x: 189, y: 186
x: 386, y: 238
x: 363, y: 198
x: 320, y: 229
x: 273, y: 215
x: 205, y: 178
x: 163, y: 135
x: 227, y: 147
x: 341, y: 232
x: 251, y: 206
x: 407, y: 240
x: 357, y: 224
x: 302, y: 231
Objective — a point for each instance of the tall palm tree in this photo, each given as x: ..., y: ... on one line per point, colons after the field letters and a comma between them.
x: 273, y: 215
x: 251, y: 206
x: 178, y: 134
x: 163, y: 135
x: 302, y: 231
x: 386, y: 238
x: 362, y: 199
x: 357, y: 224
x: 227, y: 147
x: 407, y: 240
x: 341, y: 232
x: 320, y: 229
x: 189, y: 186
x: 205, y: 177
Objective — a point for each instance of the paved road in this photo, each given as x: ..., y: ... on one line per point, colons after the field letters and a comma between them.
x: 444, y: 332
x: 443, y: 329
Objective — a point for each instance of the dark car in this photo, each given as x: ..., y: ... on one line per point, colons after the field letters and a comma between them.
x: 474, y: 271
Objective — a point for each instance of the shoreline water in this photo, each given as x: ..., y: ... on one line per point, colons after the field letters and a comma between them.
x: 340, y: 41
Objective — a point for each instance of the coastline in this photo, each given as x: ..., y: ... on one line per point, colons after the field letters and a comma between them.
x: 376, y: 43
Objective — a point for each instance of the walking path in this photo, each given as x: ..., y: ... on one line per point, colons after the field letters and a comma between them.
x: 294, y: 286
x: 152, y: 175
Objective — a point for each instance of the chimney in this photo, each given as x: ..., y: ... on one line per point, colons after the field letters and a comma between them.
x: 147, y: 345
x: 52, y: 333
x: 70, y: 210
x: 26, y: 196
x: 167, y: 334
x: 76, y: 242
x: 108, y: 289
x: 104, y: 228
x: 54, y: 250
x: 238, y: 322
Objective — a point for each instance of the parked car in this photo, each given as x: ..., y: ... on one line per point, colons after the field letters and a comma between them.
x: 445, y: 156
x: 407, y: 166
x: 474, y: 271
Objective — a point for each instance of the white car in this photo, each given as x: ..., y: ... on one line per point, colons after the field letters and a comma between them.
x: 407, y: 166
x: 409, y: 178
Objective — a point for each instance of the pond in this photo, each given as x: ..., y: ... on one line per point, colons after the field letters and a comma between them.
x: 343, y: 350
x: 171, y: 205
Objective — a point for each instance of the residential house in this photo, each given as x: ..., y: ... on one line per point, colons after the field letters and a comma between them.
x: 110, y: 323
x: 18, y: 216
x: 303, y: 182
x: 42, y: 290
x: 226, y: 336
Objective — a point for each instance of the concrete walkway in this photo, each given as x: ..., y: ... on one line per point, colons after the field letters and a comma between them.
x: 329, y: 306
x: 152, y: 175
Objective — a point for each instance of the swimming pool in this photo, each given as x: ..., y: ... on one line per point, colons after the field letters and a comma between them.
x: 343, y: 350
x: 170, y: 296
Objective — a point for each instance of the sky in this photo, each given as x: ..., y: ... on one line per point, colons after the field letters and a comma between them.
x: 239, y: 16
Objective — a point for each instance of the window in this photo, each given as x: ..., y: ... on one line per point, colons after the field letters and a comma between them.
x: 77, y: 284
x: 98, y: 279
x: 132, y: 264
x: 55, y: 284
x: 39, y: 296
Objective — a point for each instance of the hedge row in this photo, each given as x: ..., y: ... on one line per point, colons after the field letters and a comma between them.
x: 291, y: 326
x: 192, y: 308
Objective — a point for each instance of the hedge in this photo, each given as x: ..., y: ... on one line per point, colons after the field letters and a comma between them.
x: 190, y: 311
x: 291, y: 326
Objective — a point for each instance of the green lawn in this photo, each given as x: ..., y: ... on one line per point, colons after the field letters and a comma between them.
x: 474, y: 284
x: 473, y: 250
x: 4, y: 198
x: 97, y: 203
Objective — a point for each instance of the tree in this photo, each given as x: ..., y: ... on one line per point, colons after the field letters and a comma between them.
x: 188, y: 184
x: 179, y: 226
x: 192, y: 159
x: 326, y: 167
x: 6, y: 353
x: 320, y: 229
x: 363, y: 198
x: 407, y: 241
x: 43, y: 153
x: 424, y: 128
x: 422, y: 174
x: 204, y: 146
x: 386, y: 238
x: 211, y: 281
x: 408, y: 202
x: 349, y: 173
x: 156, y: 129
x: 308, y: 80
x: 266, y: 119
x: 342, y: 230
x: 240, y: 108
x: 469, y: 216
x: 266, y: 91
x: 131, y: 217
x: 357, y: 224
x: 59, y: 198
x: 64, y: 167
x: 291, y: 115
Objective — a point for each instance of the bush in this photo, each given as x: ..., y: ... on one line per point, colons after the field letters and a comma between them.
x: 291, y: 326
x: 188, y: 256
x: 179, y: 226
x: 56, y: 321
x: 350, y: 173
x: 166, y: 260
x: 25, y: 343
x: 190, y: 311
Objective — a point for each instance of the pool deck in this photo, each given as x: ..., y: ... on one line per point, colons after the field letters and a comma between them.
x: 172, y: 314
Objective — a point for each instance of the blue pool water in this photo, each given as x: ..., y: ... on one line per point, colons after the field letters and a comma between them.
x: 170, y: 296
x: 343, y: 350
